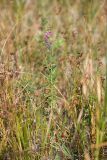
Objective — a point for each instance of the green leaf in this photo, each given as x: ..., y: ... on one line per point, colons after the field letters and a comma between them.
x: 58, y: 43
x: 66, y: 151
x: 57, y: 157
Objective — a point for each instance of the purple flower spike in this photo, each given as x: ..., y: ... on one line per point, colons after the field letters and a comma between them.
x: 47, y: 34
x: 46, y: 39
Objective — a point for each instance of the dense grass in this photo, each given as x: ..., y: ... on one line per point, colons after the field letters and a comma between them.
x: 53, y: 80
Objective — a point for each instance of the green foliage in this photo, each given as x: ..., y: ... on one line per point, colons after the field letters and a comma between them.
x: 53, y: 80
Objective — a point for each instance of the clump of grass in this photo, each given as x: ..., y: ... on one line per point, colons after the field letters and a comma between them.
x: 53, y: 91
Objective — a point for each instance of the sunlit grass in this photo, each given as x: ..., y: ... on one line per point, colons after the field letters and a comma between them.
x: 53, y: 90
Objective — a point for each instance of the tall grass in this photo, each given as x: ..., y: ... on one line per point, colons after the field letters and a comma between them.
x: 53, y: 80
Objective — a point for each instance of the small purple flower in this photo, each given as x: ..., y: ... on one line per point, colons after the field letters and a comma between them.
x: 47, y: 35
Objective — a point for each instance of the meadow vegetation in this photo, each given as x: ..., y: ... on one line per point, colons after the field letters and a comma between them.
x: 53, y: 80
